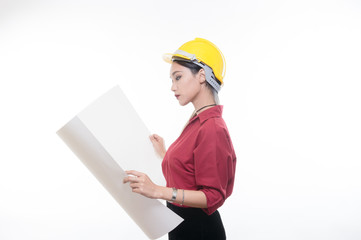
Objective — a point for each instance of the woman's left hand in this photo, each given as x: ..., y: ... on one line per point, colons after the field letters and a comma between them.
x: 141, y: 183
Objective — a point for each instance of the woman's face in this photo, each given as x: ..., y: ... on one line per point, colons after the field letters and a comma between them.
x: 185, y: 85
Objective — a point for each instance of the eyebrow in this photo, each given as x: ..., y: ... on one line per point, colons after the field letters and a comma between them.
x: 175, y: 72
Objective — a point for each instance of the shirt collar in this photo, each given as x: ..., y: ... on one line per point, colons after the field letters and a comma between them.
x: 213, y: 112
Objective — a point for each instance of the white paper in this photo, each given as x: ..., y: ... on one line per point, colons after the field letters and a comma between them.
x: 108, y: 136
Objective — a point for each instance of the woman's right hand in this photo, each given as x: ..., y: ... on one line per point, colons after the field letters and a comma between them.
x: 158, y: 144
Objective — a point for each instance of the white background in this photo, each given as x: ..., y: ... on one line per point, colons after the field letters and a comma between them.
x: 291, y: 102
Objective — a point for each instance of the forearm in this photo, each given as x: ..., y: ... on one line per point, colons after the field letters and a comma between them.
x: 141, y: 184
x: 190, y: 198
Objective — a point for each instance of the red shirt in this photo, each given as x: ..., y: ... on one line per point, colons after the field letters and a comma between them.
x: 203, y: 158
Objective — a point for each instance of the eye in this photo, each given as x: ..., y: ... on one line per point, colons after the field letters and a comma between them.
x: 177, y: 77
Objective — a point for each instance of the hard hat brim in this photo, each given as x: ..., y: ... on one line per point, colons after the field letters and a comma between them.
x: 167, y: 57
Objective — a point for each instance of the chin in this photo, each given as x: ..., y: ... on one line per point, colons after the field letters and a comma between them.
x: 183, y: 103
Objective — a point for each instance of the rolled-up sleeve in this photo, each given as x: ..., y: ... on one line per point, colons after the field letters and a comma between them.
x: 214, y: 162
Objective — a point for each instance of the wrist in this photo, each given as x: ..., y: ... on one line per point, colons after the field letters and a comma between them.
x: 165, y: 193
x: 174, y: 194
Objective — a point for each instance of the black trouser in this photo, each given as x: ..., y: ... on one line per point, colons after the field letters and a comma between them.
x: 197, y: 225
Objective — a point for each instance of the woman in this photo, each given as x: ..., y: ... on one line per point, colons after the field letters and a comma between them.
x: 199, y: 166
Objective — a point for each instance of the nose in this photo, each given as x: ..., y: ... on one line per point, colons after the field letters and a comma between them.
x: 174, y: 86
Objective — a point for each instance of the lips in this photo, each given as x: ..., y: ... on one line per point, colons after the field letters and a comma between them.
x: 177, y: 96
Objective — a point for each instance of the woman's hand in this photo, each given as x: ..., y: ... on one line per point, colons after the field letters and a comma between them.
x: 141, y: 183
x: 158, y: 144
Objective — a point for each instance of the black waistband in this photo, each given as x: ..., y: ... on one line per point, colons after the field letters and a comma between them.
x: 187, y: 212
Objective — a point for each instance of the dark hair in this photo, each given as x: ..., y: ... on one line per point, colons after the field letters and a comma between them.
x: 193, y: 67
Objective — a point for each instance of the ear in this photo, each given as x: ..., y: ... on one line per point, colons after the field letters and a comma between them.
x: 201, y: 76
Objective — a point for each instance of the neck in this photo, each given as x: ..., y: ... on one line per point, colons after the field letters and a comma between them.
x: 205, y: 107
x: 203, y: 98
x: 203, y: 104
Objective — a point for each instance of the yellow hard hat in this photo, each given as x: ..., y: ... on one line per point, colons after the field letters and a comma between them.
x: 202, y: 51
